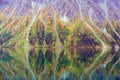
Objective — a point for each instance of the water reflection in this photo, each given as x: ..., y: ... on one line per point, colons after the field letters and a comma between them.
x: 4, y: 56
x: 49, y: 56
x: 12, y: 67
x: 86, y: 54
x: 59, y: 64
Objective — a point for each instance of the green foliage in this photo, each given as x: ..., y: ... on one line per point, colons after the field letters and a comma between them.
x: 64, y: 32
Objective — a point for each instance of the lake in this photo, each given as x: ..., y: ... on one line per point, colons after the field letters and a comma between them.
x: 59, y: 64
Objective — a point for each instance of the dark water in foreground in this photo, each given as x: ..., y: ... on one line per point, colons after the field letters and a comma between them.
x: 59, y: 64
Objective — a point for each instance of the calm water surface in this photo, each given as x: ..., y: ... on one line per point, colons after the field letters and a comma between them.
x: 59, y: 64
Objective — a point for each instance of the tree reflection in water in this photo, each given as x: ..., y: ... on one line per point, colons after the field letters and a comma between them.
x: 49, y: 56
x: 71, y: 64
